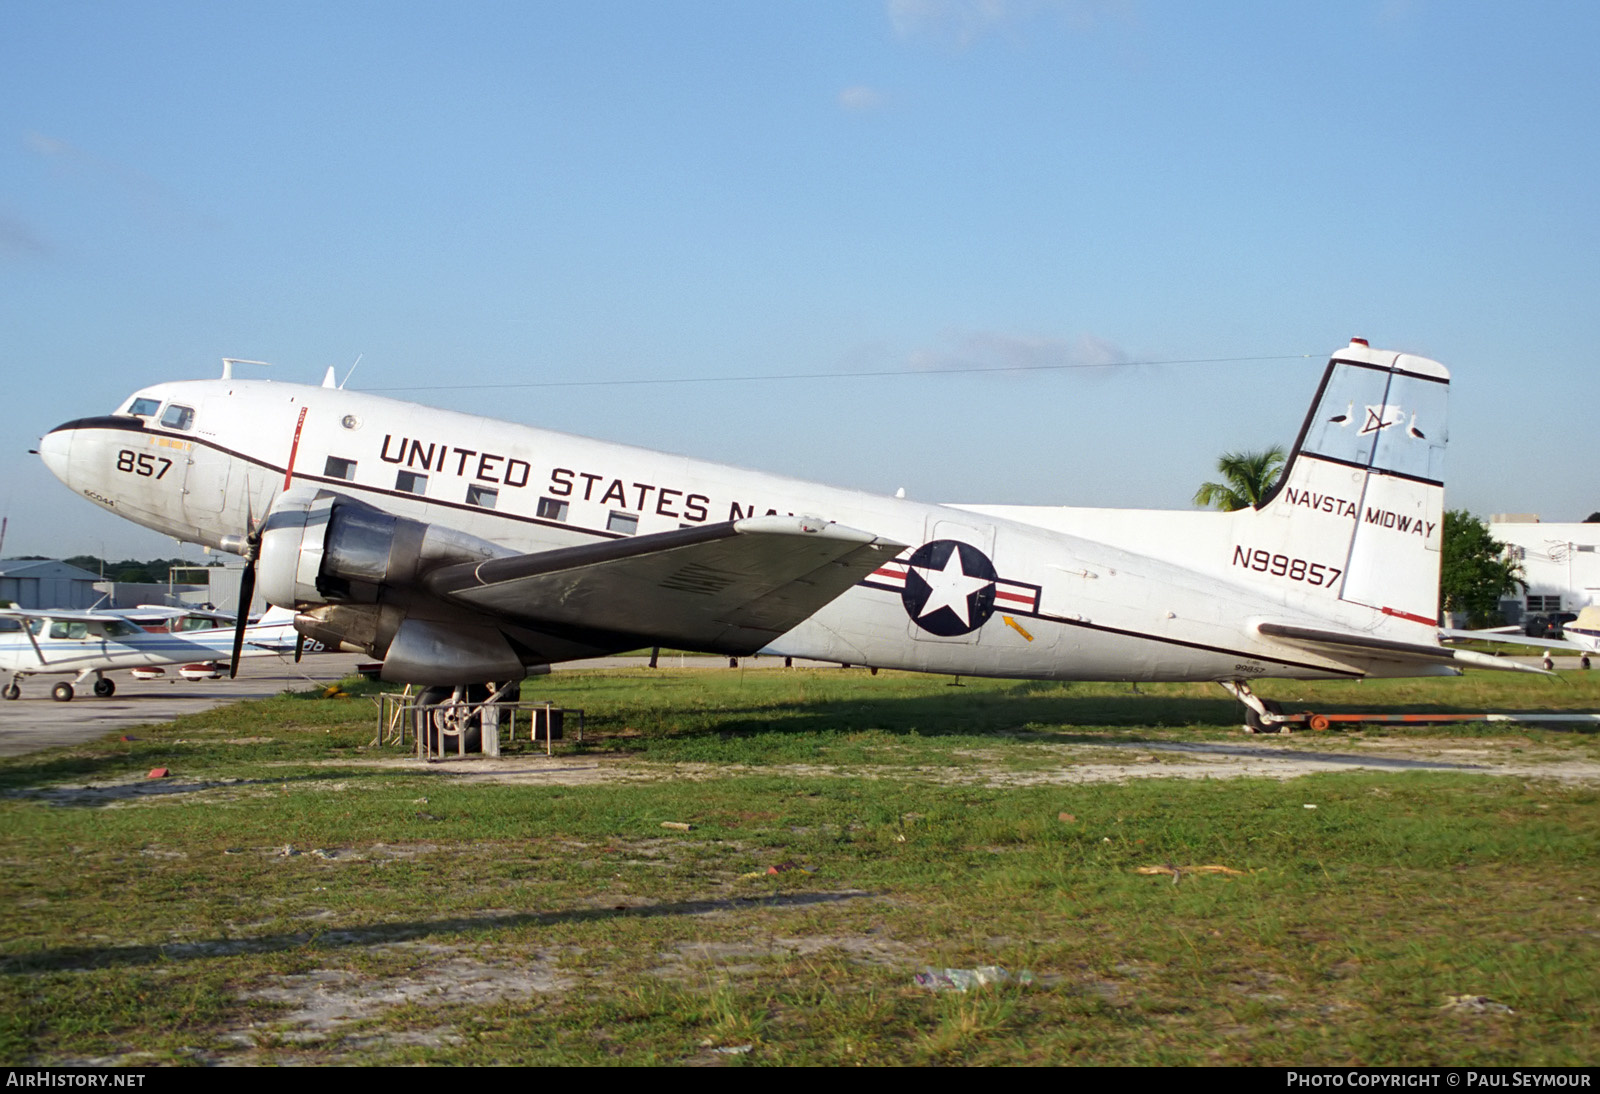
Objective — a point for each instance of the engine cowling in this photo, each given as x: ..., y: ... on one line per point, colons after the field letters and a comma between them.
x: 318, y: 547
x: 353, y: 573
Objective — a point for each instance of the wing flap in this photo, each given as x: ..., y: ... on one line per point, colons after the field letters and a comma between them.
x: 729, y: 587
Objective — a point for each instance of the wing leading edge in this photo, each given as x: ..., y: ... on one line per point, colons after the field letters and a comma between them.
x: 731, y: 587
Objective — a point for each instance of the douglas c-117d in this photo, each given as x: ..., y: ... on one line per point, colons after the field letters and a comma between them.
x: 463, y: 551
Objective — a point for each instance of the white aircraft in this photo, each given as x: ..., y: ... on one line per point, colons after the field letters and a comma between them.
x: 1580, y: 636
x: 463, y: 550
x: 88, y: 644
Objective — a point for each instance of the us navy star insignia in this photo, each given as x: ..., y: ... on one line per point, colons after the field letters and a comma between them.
x: 950, y: 587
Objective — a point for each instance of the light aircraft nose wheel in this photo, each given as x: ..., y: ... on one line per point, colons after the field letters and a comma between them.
x: 12, y: 692
x: 62, y: 692
x: 104, y: 687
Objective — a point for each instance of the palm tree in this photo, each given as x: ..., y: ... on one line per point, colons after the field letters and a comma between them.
x: 1246, y: 478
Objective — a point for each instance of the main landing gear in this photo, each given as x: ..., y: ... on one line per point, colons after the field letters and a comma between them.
x: 64, y: 692
x: 451, y: 719
x: 1260, y: 715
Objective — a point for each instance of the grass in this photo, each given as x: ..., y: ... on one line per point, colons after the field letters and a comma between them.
x: 421, y: 917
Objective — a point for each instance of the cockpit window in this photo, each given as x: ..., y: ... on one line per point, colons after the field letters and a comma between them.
x: 178, y: 417
x: 116, y: 628
x: 145, y: 408
x: 192, y: 623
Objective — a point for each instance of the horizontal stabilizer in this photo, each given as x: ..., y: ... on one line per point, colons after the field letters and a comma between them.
x: 1365, y: 648
x: 731, y: 587
x: 1503, y: 638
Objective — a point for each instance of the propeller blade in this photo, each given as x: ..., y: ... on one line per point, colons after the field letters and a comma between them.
x: 299, y: 645
x: 247, y: 592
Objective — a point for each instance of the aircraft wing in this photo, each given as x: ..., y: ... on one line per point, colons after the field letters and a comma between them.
x: 79, y: 616
x: 1365, y: 648
x: 732, y: 587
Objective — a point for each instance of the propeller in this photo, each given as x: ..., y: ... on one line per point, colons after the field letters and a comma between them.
x: 299, y: 642
x: 247, y: 585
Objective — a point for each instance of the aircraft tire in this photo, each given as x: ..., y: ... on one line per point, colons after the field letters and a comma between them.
x: 62, y: 692
x: 12, y: 692
x: 441, y: 742
x: 1253, y: 722
x: 105, y: 687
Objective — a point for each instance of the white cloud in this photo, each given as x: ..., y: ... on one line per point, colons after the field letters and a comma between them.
x: 996, y: 351
x: 860, y: 97
x: 963, y: 22
x: 18, y: 238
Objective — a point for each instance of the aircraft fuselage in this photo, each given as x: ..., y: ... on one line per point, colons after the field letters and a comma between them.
x: 976, y: 594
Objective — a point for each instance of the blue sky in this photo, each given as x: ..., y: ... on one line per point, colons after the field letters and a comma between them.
x: 539, y: 193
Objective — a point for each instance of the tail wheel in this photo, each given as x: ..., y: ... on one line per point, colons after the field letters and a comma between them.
x: 62, y: 692
x: 105, y: 687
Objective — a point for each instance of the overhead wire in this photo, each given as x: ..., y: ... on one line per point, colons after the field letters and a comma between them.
x: 841, y: 375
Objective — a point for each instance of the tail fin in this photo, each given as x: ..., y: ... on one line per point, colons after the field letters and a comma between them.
x: 1359, y: 508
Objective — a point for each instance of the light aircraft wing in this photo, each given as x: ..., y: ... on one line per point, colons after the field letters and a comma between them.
x: 1365, y: 648
x: 62, y: 616
x: 732, y: 586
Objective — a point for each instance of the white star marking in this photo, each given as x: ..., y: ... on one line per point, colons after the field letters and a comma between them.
x: 950, y: 588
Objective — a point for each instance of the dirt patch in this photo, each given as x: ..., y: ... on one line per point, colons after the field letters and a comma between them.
x: 692, y: 960
x: 1092, y: 763
x: 322, y: 1000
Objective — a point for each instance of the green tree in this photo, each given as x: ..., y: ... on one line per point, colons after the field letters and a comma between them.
x: 1474, y: 571
x: 1246, y: 478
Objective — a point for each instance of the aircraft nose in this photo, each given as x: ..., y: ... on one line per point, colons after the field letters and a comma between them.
x: 55, y: 449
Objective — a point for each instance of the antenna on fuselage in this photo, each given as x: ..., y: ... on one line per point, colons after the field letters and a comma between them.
x: 229, y: 362
x: 352, y: 371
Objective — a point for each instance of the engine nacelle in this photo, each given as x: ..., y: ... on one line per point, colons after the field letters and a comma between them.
x: 319, y: 547
x: 353, y: 573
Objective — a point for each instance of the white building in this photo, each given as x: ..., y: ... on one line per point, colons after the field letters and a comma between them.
x: 1560, y: 563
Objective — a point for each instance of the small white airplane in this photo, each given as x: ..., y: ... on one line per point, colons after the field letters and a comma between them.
x: 462, y: 550
x: 1580, y: 636
x: 88, y: 644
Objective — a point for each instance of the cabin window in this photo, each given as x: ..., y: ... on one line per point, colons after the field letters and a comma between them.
x: 145, y: 408
x: 552, y: 509
x: 69, y: 630
x: 10, y: 626
x: 116, y: 628
x: 482, y: 495
x: 178, y: 417
x: 340, y: 468
x: 409, y: 482
x: 626, y: 523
